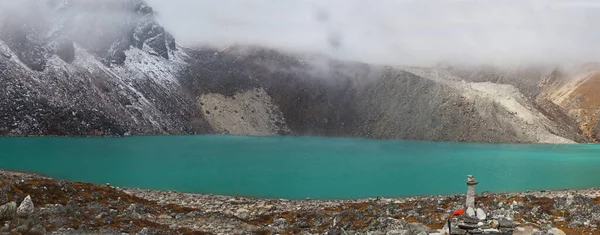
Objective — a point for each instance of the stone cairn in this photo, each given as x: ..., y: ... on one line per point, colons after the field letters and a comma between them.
x: 476, y: 221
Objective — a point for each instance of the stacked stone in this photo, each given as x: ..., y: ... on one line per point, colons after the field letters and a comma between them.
x: 474, y: 221
x: 506, y: 226
x: 472, y: 225
x: 467, y: 225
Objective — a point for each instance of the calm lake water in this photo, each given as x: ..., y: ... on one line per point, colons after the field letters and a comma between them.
x: 300, y: 167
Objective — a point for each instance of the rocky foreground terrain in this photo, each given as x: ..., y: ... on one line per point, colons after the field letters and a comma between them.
x: 107, y: 67
x: 62, y: 207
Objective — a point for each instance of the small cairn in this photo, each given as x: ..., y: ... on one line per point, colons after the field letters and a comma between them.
x: 476, y: 221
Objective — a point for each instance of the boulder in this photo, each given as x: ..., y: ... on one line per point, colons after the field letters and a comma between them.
x: 397, y: 232
x: 491, y: 230
x: 481, y: 214
x: 242, y: 213
x: 280, y: 222
x: 375, y: 233
x: 21, y: 229
x: 506, y: 224
x: 467, y: 226
x: 8, y: 210
x: 417, y: 229
x: 146, y: 231
x: 556, y: 231
x: 458, y: 231
x: 470, y: 220
x: 26, y: 207
x: 470, y: 212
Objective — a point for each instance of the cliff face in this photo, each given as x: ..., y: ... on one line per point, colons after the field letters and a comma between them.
x: 67, y: 70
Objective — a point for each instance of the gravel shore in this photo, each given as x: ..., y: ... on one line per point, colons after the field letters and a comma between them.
x: 62, y: 207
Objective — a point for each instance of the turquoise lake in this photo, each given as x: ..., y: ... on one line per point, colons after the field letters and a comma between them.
x: 300, y: 167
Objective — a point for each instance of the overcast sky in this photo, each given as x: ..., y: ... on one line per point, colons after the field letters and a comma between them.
x: 396, y: 31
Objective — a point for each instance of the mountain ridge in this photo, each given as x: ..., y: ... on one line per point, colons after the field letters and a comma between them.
x: 132, y: 78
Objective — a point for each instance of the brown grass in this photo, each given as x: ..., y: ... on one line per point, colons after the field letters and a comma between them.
x: 49, y: 192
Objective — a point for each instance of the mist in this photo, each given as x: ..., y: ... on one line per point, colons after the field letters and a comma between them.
x: 409, y: 32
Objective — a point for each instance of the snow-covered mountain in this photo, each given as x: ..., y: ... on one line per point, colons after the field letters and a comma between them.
x: 106, y: 67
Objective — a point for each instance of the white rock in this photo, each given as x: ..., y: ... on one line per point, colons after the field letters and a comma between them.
x: 570, y: 199
x: 491, y: 230
x: 26, y: 207
x: 556, y: 231
x: 481, y: 214
x: 242, y: 213
x: 470, y: 212
x: 397, y: 232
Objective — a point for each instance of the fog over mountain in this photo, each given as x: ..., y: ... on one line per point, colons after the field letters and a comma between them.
x: 479, y: 71
x: 408, y: 32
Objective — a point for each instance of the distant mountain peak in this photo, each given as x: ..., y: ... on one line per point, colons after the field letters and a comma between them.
x: 37, y: 30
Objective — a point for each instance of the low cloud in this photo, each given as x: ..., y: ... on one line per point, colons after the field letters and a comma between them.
x: 405, y: 32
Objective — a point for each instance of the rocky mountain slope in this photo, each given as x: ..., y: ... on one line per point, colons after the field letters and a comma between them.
x: 579, y: 95
x: 68, y: 69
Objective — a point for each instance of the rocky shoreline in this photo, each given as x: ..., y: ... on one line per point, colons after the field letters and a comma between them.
x: 62, y: 207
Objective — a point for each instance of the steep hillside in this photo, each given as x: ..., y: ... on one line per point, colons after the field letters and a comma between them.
x: 117, y: 78
x: 579, y: 96
x: 68, y: 70
x: 336, y: 98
